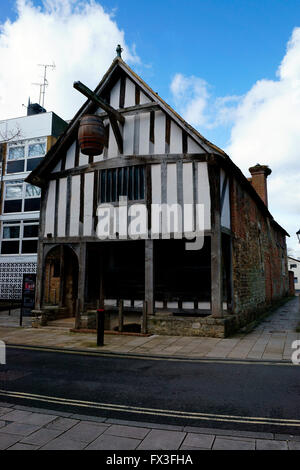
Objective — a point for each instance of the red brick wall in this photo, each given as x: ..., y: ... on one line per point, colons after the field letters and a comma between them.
x: 260, y: 272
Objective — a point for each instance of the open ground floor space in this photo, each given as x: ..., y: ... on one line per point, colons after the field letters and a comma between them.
x: 144, y: 286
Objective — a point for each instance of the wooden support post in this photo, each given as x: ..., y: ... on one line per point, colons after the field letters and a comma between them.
x: 149, y: 276
x: 144, y: 318
x: 39, y: 276
x: 62, y: 276
x: 121, y: 315
x: 216, y: 243
x: 81, y: 284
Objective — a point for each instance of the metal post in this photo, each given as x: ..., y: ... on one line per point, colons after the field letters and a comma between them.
x: 144, y: 318
x: 21, y: 315
x: 100, y: 326
x: 121, y: 316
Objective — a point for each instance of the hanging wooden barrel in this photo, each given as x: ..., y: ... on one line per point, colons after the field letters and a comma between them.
x: 92, y: 136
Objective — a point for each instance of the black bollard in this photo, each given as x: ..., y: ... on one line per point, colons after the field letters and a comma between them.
x: 100, y: 326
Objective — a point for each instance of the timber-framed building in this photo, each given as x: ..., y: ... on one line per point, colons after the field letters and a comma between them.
x: 154, y: 158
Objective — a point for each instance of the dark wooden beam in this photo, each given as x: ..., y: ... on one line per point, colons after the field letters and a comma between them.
x: 216, y: 244
x: 95, y: 98
x: 130, y: 160
x: 133, y: 110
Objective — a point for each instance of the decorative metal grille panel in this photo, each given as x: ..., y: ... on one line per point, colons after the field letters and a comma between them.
x: 11, y: 277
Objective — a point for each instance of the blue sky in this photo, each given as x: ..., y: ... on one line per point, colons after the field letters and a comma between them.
x: 226, y: 65
x: 228, y: 43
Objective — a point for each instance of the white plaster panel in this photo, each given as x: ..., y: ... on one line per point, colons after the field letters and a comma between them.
x: 62, y: 205
x: 193, y: 147
x: 156, y: 183
x: 143, y: 98
x: 50, y: 208
x: 225, y: 216
x: 70, y: 157
x: 83, y: 159
x: 115, y: 95
x: 144, y: 134
x: 75, y: 206
x: 129, y: 93
x: 175, y: 138
x: 128, y: 135
x: 188, y: 197
x: 171, y: 183
x: 88, y: 204
x: 159, y: 132
x: 57, y: 168
x: 112, y: 144
x: 204, y: 192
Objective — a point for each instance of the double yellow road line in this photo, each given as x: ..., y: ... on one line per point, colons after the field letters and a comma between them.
x: 151, y: 411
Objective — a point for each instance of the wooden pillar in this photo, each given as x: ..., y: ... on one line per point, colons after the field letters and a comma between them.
x: 149, y: 276
x: 40, y: 273
x: 39, y: 276
x: 216, y: 242
x: 62, y: 276
x: 81, y: 284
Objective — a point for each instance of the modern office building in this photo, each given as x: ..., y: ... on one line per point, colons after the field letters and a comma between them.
x: 24, y: 141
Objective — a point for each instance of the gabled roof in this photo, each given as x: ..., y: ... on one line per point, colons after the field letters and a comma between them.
x: 39, y: 175
x: 55, y: 153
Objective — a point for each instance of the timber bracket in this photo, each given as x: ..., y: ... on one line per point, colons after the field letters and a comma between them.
x: 113, y: 115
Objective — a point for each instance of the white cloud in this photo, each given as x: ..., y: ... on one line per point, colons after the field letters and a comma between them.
x: 78, y: 36
x: 191, y: 98
x: 265, y: 128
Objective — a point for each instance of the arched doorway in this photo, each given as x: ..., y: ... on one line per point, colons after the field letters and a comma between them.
x: 61, y: 280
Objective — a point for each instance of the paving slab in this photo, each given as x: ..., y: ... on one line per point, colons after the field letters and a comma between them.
x: 265, y: 444
x: 163, y: 440
x: 106, y: 442
x: 183, y: 447
x: 124, y: 422
x: 19, y: 429
x: 21, y: 416
x: 199, y: 440
x: 41, y: 437
x: 229, y: 432
x: 96, y: 419
x: 127, y: 431
x: 7, y: 440
x: 20, y: 446
x: 62, y: 443
x: 62, y: 424
x: 85, y: 431
x: 232, y: 443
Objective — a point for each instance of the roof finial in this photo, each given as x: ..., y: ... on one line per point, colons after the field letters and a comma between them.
x: 119, y: 51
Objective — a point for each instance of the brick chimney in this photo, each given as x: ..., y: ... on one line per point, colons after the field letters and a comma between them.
x: 259, y: 175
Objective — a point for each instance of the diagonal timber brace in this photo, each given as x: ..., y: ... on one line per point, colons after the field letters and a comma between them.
x: 113, y: 114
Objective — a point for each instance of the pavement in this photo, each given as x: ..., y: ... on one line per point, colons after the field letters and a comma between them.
x: 25, y: 428
x: 271, y: 340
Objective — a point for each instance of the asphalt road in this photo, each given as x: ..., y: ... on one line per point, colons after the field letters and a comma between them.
x: 219, y: 394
